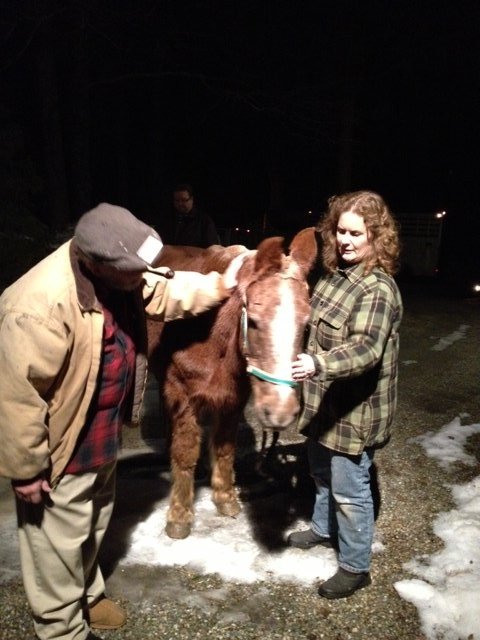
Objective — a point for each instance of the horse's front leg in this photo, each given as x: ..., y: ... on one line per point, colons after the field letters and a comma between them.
x: 222, y: 458
x: 184, y: 454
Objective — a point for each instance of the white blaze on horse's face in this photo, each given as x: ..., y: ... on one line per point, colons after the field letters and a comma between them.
x: 278, y: 310
x: 284, y: 336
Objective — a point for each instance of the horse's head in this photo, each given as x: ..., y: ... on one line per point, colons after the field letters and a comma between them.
x: 274, y: 291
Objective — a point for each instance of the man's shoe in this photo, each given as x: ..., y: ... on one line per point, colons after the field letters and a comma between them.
x: 308, y: 539
x: 105, y: 614
x: 343, y: 584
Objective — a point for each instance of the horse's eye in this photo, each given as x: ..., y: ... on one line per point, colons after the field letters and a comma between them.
x: 252, y: 324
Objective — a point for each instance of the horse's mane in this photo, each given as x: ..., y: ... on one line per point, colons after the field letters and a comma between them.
x: 214, y: 258
x: 180, y: 334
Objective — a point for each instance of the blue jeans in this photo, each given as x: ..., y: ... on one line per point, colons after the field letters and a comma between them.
x: 343, y: 503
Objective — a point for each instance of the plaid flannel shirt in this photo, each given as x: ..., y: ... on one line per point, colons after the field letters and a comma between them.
x: 99, y: 440
x: 353, y: 332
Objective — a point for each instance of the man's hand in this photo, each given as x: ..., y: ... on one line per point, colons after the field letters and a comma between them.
x: 303, y: 367
x: 230, y: 276
x: 33, y: 490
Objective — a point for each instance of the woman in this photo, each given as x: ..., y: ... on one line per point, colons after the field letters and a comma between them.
x: 350, y: 380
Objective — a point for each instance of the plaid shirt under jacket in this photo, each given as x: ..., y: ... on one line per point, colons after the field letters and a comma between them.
x: 99, y: 439
x: 353, y: 332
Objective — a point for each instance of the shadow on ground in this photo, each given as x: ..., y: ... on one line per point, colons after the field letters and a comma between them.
x: 275, y: 490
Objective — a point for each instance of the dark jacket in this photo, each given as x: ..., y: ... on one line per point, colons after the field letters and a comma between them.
x: 196, y: 229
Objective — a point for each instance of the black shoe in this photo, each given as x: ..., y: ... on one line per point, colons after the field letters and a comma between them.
x: 308, y: 539
x: 343, y: 584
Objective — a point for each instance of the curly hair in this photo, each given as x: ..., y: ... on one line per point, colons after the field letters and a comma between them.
x: 381, y: 227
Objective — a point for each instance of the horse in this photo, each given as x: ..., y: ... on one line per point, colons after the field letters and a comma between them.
x: 208, y: 365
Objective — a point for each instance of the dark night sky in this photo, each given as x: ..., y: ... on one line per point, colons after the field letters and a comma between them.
x: 262, y: 105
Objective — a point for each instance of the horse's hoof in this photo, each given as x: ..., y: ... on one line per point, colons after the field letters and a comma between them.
x: 230, y: 509
x: 178, y: 530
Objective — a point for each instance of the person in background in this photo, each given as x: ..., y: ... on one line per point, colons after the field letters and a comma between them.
x: 73, y: 353
x: 349, y: 372
x: 189, y: 225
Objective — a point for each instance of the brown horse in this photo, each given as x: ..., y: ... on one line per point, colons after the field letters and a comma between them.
x: 205, y: 364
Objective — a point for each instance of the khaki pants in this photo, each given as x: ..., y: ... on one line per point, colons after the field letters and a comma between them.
x: 59, y: 544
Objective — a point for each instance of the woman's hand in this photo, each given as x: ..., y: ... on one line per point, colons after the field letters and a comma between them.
x: 303, y: 367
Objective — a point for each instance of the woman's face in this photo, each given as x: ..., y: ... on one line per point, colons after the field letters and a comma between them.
x: 353, y: 243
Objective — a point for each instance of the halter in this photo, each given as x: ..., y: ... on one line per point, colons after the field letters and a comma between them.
x: 256, y: 371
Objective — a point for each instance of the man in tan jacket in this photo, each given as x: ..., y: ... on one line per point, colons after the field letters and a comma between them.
x: 73, y: 353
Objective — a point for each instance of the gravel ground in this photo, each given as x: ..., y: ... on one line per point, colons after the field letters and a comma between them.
x: 434, y: 389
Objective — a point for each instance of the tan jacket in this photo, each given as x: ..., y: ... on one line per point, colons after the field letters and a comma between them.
x: 51, y: 328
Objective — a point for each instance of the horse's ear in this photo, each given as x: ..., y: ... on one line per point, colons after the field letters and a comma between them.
x: 269, y: 255
x: 303, y: 249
